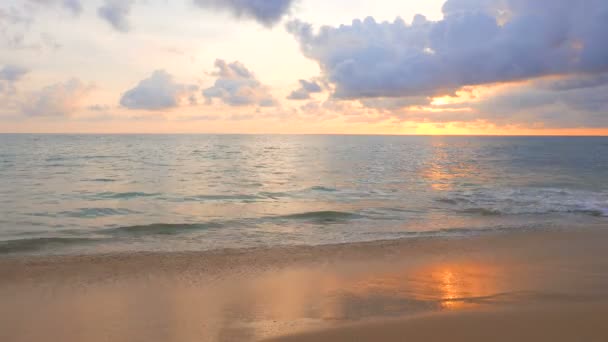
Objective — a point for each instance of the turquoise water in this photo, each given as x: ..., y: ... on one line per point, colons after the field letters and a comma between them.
x: 121, y: 193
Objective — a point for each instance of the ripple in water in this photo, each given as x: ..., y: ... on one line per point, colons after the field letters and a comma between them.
x: 126, y: 193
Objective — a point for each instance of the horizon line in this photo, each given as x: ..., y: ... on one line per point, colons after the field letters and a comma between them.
x: 309, y: 134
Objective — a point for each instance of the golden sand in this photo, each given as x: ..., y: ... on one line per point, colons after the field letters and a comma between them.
x: 534, y: 286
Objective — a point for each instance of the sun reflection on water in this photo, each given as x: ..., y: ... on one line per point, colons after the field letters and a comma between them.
x: 445, y: 167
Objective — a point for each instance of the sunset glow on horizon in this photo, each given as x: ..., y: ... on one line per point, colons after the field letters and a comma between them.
x: 304, y: 67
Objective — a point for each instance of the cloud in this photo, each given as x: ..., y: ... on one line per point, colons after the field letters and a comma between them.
x: 14, y: 26
x: 576, y: 82
x: 61, y: 99
x: 116, y: 13
x: 577, y: 101
x: 551, y: 102
x: 477, y: 42
x: 17, y: 19
x: 12, y: 73
x: 306, y: 88
x: 266, y: 12
x: 74, y: 6
x: 395, y: 103
x: 237, y: 86
x: 157, y: 92
x: 99, y: 108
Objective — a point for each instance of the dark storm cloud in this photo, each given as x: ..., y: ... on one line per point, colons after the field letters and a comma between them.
x: 157, y: 92
x: 266, y: 12
x: 477, y: 42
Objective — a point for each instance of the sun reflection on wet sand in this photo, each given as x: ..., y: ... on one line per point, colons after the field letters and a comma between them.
x: 458, y: 286
x: 208, y: 297
x: 449, y: 292
x: 366, y: 291
x: 254, y: 307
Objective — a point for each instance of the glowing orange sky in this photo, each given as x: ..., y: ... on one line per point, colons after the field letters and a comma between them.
x: 109, y: 63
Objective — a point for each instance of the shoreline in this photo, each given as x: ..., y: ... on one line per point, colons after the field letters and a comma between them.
x: 110, y: 241
x: 408, y: 237
x: 259, y: 293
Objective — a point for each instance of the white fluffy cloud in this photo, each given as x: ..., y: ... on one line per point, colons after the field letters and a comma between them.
x: 266, y: 12
x: 61, y: 99
x: 237, y: 86
x: 116, y: 13
x: 477, y: 42
x: 554, y: 49
x: 158, y: 92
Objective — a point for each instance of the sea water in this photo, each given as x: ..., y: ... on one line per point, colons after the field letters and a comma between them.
x: 63, y: 194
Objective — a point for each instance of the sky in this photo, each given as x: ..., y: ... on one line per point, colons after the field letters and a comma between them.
x: 531, y: 67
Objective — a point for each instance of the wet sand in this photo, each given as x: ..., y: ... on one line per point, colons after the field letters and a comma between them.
x: 555, y: 323
x: 526, y: 286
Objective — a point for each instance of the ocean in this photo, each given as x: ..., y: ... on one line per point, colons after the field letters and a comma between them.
x: 89, y: 194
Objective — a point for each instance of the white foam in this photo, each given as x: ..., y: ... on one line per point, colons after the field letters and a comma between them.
x: 530, y: 201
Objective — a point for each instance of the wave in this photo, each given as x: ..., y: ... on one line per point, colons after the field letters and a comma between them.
x: 321, y: 216
x: 37, y: 244
x: 96, y: 212
x: 162, y: 229
x: 88, y: 213
x: 323, y: 189
x: 54, y: 159
x: 98, y: 157
x: 201, y: 198
x: 275, y: 195
x: 260, y: 196
x: 482, y: 211
x: 124, y: 195
x: 311, y: 192
x: 527, y: 201
x: 87, y: 157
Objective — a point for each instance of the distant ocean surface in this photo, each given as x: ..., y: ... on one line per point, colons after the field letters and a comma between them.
x: 66, y: 194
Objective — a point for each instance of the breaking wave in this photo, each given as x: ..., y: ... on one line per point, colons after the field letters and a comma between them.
x: 529, y: 201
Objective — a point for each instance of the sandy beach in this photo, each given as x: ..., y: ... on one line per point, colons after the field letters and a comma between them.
x: 303, y: 170
x: 546, y: 323
x: 525, y: 286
